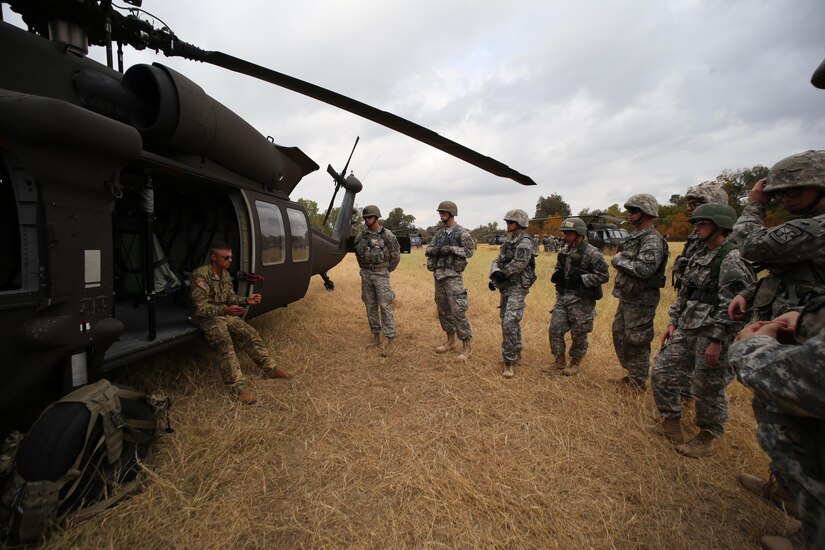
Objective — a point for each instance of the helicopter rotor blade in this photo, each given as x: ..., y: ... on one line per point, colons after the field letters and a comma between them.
x: 354, y: 106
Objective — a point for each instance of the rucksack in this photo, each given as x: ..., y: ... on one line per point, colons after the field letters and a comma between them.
x: 81, y: 456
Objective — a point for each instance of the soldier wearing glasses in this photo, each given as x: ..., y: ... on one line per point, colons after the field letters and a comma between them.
x: 216, y: 310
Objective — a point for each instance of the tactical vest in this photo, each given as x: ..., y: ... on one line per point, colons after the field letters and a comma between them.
x: 627, y: 282
x: 575, y: 260
x: 508, y: 253
x: 447, y: 261
x: 371, y: 250
x: 709, y: 294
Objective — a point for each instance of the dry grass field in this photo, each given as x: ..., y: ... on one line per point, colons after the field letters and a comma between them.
x: 418, y: 450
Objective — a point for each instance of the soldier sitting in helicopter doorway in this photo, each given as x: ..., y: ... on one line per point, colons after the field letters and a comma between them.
x: 579, y: 273
x: 216, y: 310
x: 378, y: 253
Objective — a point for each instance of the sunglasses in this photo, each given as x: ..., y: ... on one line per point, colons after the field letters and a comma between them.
x: 633, y: 210
x: 702, y: 223
x: 790, y: 193
x: 227, y: 258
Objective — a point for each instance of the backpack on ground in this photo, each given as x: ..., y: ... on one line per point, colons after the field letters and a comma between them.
x: 81, y: 456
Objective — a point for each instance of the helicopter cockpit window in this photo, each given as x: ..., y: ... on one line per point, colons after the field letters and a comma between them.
x: 272, y: 233
x: 300, y: 235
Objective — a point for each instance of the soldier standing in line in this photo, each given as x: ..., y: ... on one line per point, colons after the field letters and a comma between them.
x: 640, y: 265
x: 579, y: 273
x: 513, y: 272
x: 378, y: 255
x: 216, y: 310
x: 794, y: 254
x: 694, y: 345
x: 447, y: 256
x: 781, y: 362
x: 704, y: 193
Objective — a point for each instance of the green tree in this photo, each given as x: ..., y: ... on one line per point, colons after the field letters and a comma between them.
x: 398, y: 221
x: 316, y: 218
x: 738, y: 183
x: 483, y: 230
x: 553, y: 205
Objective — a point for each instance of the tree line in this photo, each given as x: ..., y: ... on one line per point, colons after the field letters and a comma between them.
x: 552, y: 209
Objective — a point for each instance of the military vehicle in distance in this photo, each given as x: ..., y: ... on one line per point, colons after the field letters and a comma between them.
x: 604, y: 231
x: 113, y: 184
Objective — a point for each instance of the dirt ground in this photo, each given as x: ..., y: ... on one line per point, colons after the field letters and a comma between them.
x: 420, y: 450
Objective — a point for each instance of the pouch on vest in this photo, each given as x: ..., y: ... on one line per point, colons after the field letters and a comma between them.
x: 81, y: 456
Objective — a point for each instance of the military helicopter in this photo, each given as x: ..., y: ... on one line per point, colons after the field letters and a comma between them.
x: 113, y: 184
x: 603, y: 230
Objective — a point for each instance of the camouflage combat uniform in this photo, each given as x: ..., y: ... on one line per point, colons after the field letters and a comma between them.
x: 447, y: 266
x: 789, y: 382
x: 378, y: 254
x: 640, y: 274
x: 700, y: 316
x: 575, y: 307
x: 794, y: 254
x: 209, y: 294
x: 515, y: 260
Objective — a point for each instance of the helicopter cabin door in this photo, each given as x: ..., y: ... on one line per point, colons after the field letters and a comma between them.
x: 281, y: 248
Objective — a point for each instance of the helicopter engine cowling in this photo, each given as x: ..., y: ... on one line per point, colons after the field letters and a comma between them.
x: 176, y: 113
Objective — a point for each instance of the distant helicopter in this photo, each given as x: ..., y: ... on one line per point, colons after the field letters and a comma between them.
x: 113, y: 184
x: 603, y: 230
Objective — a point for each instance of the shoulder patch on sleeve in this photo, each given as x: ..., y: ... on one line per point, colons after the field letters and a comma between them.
x: 785, y: 233
x: 202, y: 284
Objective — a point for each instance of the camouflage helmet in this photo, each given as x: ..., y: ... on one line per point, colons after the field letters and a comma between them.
x: 518, y: 215
x: 447, y: 206
x: 371, y: 210
x: 574, y: 224
x: 801, y: 170
x: 707, y: 192
x: 722, y: 215
x: 644, y: 202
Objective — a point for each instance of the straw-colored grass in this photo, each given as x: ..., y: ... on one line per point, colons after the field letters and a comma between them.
x: 418, y: 450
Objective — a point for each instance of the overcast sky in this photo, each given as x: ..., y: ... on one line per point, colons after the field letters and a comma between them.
x: 594, y: 100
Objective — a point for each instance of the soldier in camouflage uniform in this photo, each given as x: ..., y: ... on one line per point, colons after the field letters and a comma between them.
x: 696, y: 340
x: 579, y: 273
x: 706, y: 192
x: 217, y: 311
x: 640, y: 265
x: 513, y: 272
x: 378, y: 255
x: 794, y: 254
x: 787, y: 378
x: 447, y: 256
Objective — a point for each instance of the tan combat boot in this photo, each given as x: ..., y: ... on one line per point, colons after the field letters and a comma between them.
x: 771, y: 542
x: 560, y: 362
x: 700, y: 446
x: 465, y: 352
x: 508, y: 370
x: 246, y: 397
x: 375, y: 342
x: 388, y: 349
x: 669, y: 428
x: 448, y: 345
x: 573, y: 368
x: 773, y: 490
x: 275, y: 372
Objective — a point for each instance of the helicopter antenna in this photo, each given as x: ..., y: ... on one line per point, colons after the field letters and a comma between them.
x: 339, y: 179
x: 370, y: 169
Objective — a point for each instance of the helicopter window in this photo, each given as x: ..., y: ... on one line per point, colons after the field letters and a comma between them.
x: 300, y: 235
x: 11, y: 270
x: 272, y: 233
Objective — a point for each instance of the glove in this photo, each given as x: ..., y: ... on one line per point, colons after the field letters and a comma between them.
x: 575, y: 280
x: 446, y: 249
x: 434, y: 251
x: 557, y: 277
x: 498, y: 276
x: 492, y: 286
